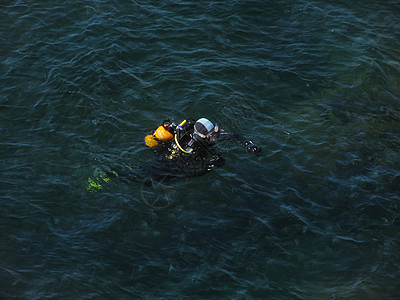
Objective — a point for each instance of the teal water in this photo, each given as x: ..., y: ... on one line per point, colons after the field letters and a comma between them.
x: 315, y: 83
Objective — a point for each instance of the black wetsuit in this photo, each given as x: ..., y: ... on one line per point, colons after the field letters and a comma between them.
x: 203, y: 156
x: 186, y: 156
x: 190, y: 157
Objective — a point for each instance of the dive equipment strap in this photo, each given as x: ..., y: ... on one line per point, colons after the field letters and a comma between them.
x: 178, y: 129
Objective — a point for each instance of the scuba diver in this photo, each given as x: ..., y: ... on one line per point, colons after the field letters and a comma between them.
x: 189, y: 146
x: 183, y: 150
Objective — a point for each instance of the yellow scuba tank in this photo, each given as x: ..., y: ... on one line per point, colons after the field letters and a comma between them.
x: 160, y: 134
x: 163, y: 134
x: 150, y: 141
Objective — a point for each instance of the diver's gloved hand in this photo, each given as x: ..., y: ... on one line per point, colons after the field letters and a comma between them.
x: 252, y: 148
x: 216, y: 161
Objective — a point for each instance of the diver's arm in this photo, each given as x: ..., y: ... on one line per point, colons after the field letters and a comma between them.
x: 250, y: 146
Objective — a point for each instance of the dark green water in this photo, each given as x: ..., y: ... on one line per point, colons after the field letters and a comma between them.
x: 315, y: 83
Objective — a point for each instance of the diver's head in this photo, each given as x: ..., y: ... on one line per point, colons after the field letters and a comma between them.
x: 205, y: 130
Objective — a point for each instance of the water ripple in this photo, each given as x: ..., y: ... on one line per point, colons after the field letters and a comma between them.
x: 316, y: 84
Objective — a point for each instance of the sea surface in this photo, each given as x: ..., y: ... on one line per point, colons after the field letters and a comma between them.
x: 315, y: 83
